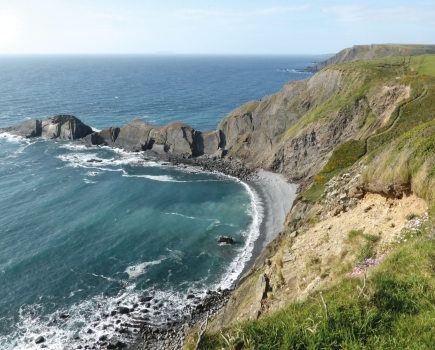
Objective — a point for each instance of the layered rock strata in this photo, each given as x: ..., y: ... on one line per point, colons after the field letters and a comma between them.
x: 64, y: 127
x: 175, y: 138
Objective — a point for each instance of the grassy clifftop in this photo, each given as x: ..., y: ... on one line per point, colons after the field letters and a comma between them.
x: 363, y: 233
x: 364, y: 52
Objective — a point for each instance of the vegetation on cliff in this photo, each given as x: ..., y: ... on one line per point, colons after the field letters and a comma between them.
x: 369, y: 126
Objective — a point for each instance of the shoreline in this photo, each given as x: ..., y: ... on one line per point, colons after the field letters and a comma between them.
x: 277, y: 196
x: 130, y: 326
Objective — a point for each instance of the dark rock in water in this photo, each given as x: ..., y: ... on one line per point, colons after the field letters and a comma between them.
x: 123, y: 310
x: 223, y: 239
x: 190, y: 296
x: 102, y: 338
x: 145, y: 299
x: 64, y: 127
x: 113, y: 313
x: 64, y: 316
x: 94, y: 160
x: 89, y: 331
x: 39, y: 340
x: 115, y: 345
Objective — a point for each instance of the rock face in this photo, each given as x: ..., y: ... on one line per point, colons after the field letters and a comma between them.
x: 223, y: 239
x: 64, y: 127
x: 175, y: 138
x: 291, y: 132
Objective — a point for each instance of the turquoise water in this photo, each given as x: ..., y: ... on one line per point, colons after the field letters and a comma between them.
x: 82, y: 237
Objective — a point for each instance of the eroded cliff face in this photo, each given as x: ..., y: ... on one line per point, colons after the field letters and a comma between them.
x: 294, y: 131
x: 314, y: 249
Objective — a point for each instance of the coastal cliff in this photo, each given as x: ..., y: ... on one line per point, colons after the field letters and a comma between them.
x: 366, y: 52
x: 359, y: 138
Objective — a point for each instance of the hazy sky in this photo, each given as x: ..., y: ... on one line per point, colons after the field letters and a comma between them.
x: 210, y: 27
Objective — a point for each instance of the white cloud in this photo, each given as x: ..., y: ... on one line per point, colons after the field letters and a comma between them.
x: 10, y: 29
x: 400, y: 15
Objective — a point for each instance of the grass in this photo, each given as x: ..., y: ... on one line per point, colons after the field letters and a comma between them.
x: 400, y: 310
x: 427, y: 67
x: 399, y: 313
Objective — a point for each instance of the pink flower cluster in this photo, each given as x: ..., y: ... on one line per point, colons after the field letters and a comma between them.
x: 370, y: 263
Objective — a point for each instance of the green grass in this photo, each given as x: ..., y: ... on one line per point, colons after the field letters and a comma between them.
x: 427, y: 67
x: 399, y: 314
x: 354, y: 233
x: 342, y: 157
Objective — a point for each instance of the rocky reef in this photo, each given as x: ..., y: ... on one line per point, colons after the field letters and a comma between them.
x: 175, y: 138
x: 64, y: 127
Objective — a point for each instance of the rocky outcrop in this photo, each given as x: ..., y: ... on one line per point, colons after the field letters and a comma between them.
x: 64, y: 127
x: 366, y: 52
x: 295, y: 131
x: 175, y: 138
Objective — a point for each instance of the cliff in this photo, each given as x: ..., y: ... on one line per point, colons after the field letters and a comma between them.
x: 365, y: 52
x: 360, y: 136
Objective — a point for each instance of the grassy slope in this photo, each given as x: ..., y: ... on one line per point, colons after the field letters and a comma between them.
x: 397, y: 313
x: 399, y: 310
x: 417, y: 111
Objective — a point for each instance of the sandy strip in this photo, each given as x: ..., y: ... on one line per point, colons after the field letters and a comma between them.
x: 277, y: 196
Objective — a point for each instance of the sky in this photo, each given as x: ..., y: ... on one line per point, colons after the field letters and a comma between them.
x: 209, y: 27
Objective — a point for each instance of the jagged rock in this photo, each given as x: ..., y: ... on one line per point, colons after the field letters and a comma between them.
x: 123, y: 310
x: 356, y: 192
x: 223, y: 239
x: 39, y: 340
x: 338, y: 210
x: 208, y: 142
x: 261, y: 288
x: 145, y: 299
x: 64, y: 127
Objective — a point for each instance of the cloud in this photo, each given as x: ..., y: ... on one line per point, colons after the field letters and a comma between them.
x: 400, y: 15
x: 109, y: 16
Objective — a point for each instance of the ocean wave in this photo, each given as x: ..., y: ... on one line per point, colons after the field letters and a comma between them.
x: 297, y: 71
x: 95, y: 314
x: 87, y: 181
x: 251, y: 235
x: 135, y: 271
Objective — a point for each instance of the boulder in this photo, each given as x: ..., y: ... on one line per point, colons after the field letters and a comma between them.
x: 39, y: 340
x: 123, y: 310
x: 338, y: 210
x: 223, y: 239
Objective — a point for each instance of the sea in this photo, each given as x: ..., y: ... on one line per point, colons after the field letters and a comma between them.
x: 79, y: 238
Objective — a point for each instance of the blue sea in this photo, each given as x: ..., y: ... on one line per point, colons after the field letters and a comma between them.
x: 80, y: 237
